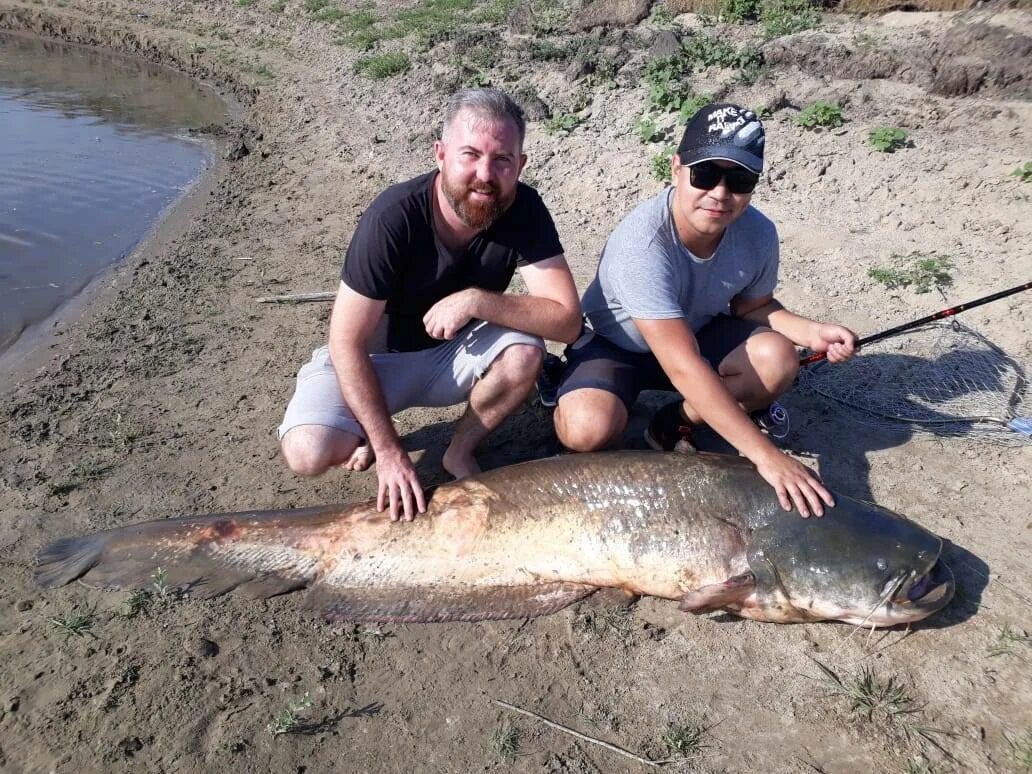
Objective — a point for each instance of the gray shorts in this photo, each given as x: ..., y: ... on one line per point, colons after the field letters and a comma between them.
x: 441, y: 376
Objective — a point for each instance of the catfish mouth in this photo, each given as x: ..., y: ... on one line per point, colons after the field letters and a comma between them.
x: 914, y: 598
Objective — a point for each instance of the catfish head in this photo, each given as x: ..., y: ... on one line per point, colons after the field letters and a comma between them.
x: 860, y: 563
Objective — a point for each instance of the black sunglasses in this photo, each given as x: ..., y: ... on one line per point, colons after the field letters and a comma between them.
x: 706, y: 175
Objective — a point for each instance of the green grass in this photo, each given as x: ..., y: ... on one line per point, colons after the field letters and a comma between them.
x: 1008, y: 641
x: 562, y: 124
x: 871, y: 696
x: 692, y: 104
x: 783, y: 17
x: 1021, y: 750
x: 138, y: 601
x: 383, y: 65
x: 246, y: 3
x: 823, y: 115
x: 77, y: 623
x: 684, y: 741
x: 290, y: 720
x: 277, y: 6
x: 430, y: 21
x: 505, y: 741
x: 739, y: 11
x: 887, y: 139
x: 1024, y: 172
x: 922, y: 271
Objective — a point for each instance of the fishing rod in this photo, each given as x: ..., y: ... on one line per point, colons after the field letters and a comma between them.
x: 816, y: 357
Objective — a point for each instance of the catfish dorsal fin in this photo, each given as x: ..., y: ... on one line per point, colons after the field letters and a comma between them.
x: 732, y: 592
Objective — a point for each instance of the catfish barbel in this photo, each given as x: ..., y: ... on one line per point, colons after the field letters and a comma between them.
x: 532, y: 538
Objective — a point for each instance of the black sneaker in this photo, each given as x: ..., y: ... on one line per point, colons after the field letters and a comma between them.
x: 548, y: 380
x: 773, y: 420
x: 669, y: 430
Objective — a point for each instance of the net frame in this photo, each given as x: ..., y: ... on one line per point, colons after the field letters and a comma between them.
x: 942, y: 378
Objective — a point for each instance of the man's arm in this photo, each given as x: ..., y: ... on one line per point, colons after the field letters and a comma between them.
x: 836, y: 340
x: 353, y: 321
x: 677, y: 351
x: 550, y: 310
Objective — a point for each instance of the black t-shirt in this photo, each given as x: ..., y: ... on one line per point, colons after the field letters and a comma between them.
x: 395, y: 256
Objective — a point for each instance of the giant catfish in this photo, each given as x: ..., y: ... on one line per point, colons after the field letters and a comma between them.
x: 532, y: 538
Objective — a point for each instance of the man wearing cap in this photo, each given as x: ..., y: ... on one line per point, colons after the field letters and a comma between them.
x: 422, y: 317
x: 683, y: 300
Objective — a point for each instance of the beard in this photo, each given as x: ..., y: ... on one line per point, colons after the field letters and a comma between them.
x: 476, y: 214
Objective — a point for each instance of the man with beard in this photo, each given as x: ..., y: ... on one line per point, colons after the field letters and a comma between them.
x: 422, y: 317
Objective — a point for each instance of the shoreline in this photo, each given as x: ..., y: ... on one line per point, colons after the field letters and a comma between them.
x: 35, y: 346
x: 38, y: 344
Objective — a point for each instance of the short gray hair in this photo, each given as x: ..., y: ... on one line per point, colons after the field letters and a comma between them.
x: 491, y: 104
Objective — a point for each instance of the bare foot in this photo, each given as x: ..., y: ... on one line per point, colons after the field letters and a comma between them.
x: 361, y: 458
x: 459, y: 465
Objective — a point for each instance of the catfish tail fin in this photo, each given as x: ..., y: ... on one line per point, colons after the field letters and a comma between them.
x: 261, y: 553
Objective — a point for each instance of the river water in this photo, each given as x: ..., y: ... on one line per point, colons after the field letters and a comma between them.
x: 94, y: 148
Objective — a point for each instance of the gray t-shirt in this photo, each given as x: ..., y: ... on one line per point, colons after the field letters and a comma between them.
x: 647, y: 273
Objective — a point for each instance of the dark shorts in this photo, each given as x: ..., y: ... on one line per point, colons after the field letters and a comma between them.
x: 594, y: 361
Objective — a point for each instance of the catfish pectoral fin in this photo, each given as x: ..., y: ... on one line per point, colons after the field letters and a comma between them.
x: 706, y: 599
x: 437, y: 604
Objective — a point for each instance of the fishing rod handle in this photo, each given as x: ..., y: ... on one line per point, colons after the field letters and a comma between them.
x: 816, y: 357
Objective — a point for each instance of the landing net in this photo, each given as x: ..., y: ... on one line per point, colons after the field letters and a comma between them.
x: 943, y: 378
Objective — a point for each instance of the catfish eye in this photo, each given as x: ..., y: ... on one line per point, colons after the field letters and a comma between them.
x: 882, y: 565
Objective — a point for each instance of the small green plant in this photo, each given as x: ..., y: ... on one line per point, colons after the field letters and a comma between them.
x: 383, y: 65
x: 661, y: 16
x: 506, y: 741
x: 739, y: 11
x: 923, y: 271
x: 887, y: 139
x: 820, y: 115
x: 783, y: 17
x: 692, y: 104
x: 659, y: 165
x: 290, y: 720
x: 562, y: 124
x: 314, y: 6
x: 648, y: 131
x: 245, y: 3
x: 161, y: 591
x: 870, y: 695
x: 666, y: 79
x: 1024, y: 172
x: 77, y: 623
x: 1007, y: 641
x: 1021, y: 750
x: 684, y: 741
x: 138, y: 601
x: 329, y: 14
x: 278, y: 6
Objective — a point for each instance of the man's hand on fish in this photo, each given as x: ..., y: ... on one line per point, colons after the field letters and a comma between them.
x: 451, y: 314
x: 398, y: 486
x: 837, y: 341
x: 795, y: 484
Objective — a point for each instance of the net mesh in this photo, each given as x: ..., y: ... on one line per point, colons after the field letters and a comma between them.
x: 943, y: 379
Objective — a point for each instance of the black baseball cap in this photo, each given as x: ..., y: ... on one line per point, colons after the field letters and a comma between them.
x: 725, y: 132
